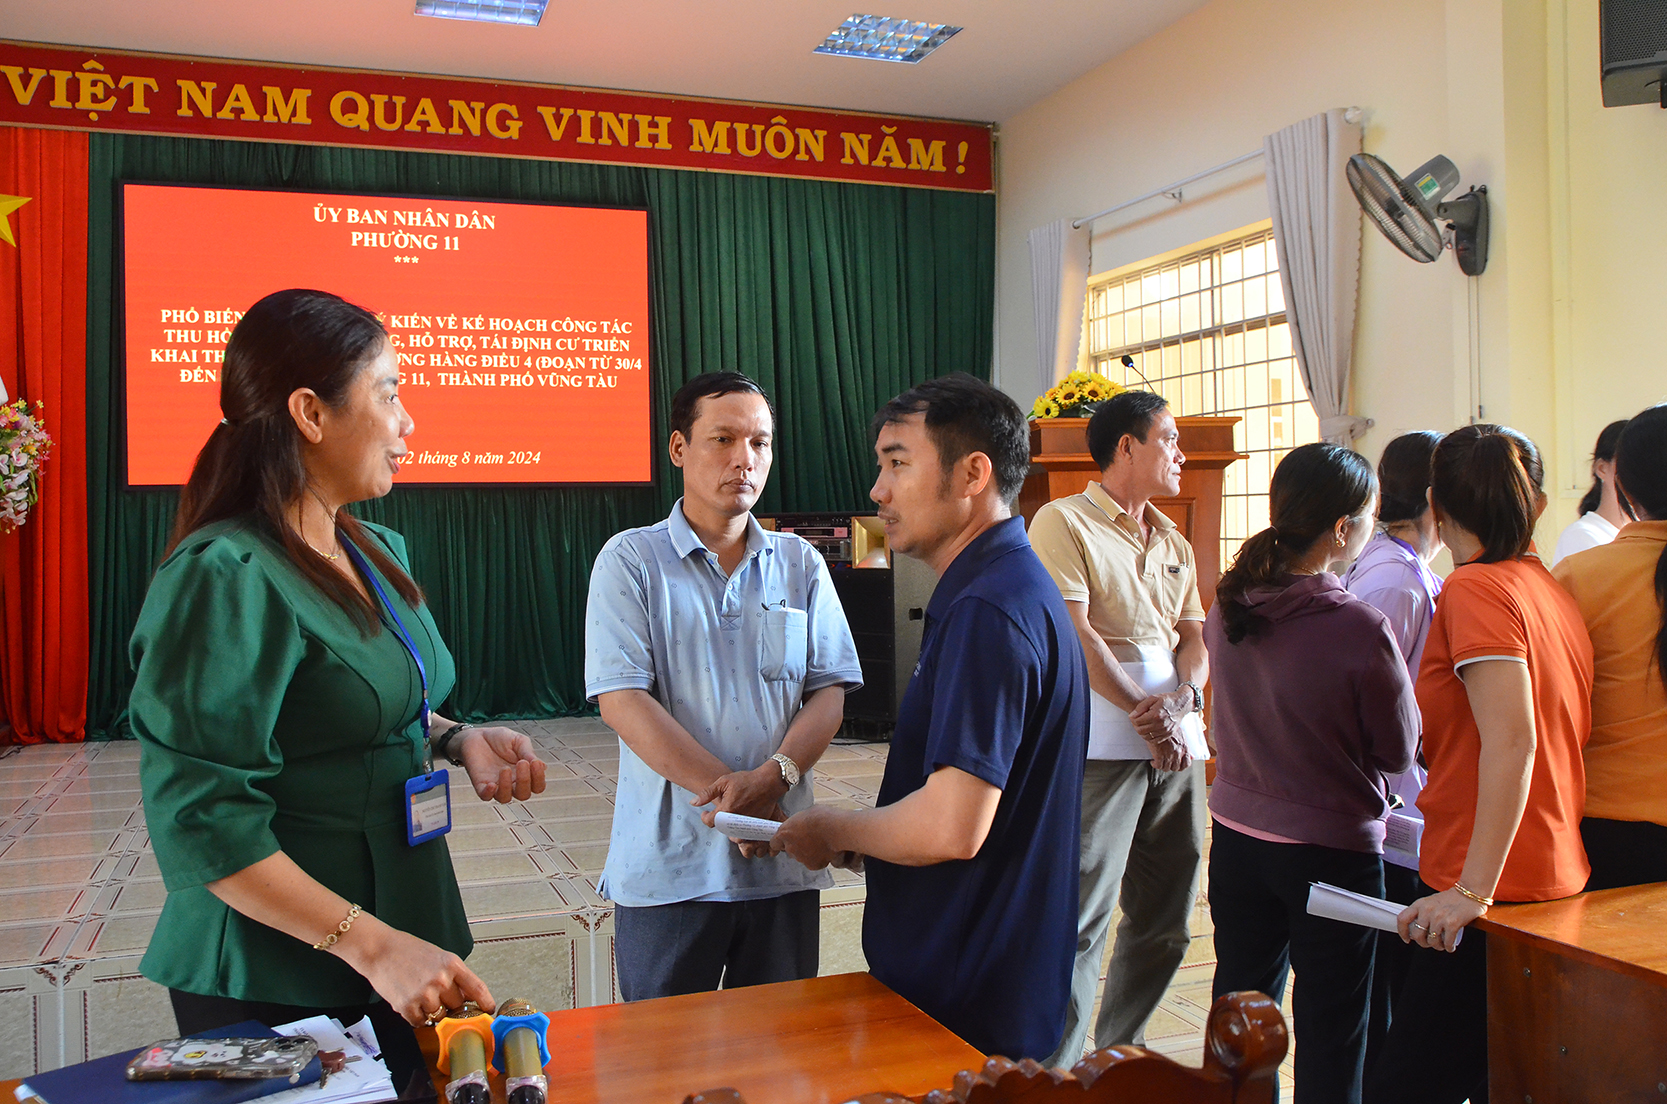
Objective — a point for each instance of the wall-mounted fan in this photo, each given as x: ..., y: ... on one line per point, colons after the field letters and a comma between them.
x: 1406, y: 209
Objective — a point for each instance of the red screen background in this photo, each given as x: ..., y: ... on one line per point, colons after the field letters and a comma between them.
x: 521, y: 329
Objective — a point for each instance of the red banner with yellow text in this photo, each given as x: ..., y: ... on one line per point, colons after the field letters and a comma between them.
x: 85, y: 89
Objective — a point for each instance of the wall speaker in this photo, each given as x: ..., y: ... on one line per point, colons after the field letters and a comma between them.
x: 885, y: 607
x: 1634, y: 49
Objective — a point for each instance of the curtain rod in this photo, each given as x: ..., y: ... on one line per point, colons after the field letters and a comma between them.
x: 1168, y: 189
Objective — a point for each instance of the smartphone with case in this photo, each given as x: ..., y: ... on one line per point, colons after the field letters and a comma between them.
x: 223, y: 1059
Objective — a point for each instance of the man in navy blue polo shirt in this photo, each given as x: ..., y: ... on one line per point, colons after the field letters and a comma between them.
x: 972, y: 850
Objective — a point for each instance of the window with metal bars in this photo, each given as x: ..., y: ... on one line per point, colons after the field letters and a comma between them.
x: 1207, y: 331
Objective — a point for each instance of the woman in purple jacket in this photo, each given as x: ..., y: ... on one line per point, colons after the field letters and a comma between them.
x: 1313, y: 708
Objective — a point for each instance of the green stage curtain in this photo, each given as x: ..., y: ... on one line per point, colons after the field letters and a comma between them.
x: 833, y: 296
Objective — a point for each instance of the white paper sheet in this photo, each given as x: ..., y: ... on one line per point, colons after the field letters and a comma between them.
x: 1334, y: 903
x: 365, y: 1035
x: 736, y: 826
x: 365, y: 1079
x: 1111, y: 735
x: 1403, y: 833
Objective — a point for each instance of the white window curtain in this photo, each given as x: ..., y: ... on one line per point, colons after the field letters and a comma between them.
x: 1316, y: 223
x: 1059, y: 290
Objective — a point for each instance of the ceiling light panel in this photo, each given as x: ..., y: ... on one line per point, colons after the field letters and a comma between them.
x: 885, y: 39
x: 526, y: 13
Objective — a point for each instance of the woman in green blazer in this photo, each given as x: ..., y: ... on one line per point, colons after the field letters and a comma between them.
x: 284, y: 658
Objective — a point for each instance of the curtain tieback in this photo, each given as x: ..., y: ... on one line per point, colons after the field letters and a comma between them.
x: 1344, y: 425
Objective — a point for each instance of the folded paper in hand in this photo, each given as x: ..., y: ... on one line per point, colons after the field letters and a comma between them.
x: 1334, y: 903
x: 736, y: 826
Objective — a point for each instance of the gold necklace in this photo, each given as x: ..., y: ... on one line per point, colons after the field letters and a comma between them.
x: 331, y: 556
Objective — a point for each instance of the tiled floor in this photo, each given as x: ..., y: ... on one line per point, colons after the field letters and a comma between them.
x: 1177, y: 1027
x: 80, y: 893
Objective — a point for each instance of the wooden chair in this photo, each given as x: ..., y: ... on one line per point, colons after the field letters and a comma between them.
x: 1243, y: 1046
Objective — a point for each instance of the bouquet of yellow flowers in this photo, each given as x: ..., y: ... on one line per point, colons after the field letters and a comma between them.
x: 24, y: 446
x: 1078, y: 395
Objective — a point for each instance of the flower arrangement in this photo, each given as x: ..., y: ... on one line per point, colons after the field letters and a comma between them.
x: 1078, y: 395
x: 24, y: 447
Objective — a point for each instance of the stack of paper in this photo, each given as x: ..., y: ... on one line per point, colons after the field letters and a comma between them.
x: 364, y: 1080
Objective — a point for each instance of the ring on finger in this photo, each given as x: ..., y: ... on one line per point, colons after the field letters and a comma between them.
x: 1416, y: 924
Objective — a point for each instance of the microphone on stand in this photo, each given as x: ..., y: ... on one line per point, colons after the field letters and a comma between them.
x: 466, y: 1045
x: 523, y: 1051
x: 1128, y: 362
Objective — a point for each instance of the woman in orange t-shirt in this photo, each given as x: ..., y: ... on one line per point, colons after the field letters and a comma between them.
x: 1505, y: 689
x: 1621, y: 589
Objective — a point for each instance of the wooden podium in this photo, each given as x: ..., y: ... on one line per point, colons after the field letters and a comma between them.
x: 1061, y: 465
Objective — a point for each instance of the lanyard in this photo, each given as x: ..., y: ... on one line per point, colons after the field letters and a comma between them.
x: 359, y: 560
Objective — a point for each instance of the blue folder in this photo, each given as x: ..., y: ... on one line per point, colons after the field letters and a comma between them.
x: 104, y: 1080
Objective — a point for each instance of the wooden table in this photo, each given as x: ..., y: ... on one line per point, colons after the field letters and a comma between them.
x: 1577, y: 998
x: 821, y: 1041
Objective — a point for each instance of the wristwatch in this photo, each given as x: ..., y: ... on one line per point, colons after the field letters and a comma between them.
x: 442, y: 746
x: 1197, y: 696
x: 789, y: 769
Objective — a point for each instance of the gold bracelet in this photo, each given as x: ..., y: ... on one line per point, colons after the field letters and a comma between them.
x: 1485, y: 902
x: 341, y: 929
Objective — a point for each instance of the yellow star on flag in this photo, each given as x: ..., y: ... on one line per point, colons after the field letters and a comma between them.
x: 8, y: 204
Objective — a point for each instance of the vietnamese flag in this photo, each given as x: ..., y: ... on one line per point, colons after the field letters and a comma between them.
x: 43, y: 358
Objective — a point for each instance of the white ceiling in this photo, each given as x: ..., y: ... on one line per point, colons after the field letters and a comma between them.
x: 1011, y: 54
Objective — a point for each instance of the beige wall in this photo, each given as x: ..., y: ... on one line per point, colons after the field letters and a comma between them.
x: 1558, y: 336
x: 1608, y: 198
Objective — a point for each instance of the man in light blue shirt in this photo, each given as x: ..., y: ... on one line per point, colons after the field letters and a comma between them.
x: 719, y: 653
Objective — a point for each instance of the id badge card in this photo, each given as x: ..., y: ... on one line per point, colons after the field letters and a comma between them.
x: 427, y: 807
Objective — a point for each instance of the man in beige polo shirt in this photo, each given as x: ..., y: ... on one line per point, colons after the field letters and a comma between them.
x: 1130, y: 582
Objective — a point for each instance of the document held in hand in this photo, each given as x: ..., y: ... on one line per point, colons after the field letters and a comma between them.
x: 736, y: 826
x: 1403, y: 835
x: 1355, y: 908
x: 1111, y: 735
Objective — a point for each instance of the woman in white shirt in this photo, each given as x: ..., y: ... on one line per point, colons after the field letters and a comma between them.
x: 1602, y: 511
x: 1393, y: 576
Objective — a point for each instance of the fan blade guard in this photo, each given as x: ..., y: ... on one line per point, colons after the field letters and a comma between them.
x: 1396, y: 206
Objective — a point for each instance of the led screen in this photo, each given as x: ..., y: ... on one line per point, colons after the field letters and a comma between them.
x: 521, y: 329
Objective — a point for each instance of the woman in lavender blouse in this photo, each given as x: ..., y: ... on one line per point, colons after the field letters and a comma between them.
x: 1393, y: 576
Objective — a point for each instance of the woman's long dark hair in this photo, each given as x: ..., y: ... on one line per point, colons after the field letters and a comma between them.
x: 1603, y: 450
x: 1641, y: 471
x: 1312, y: 487
x: 1489, y: 479
x: 252, y: 461
x: 1404, y: 476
